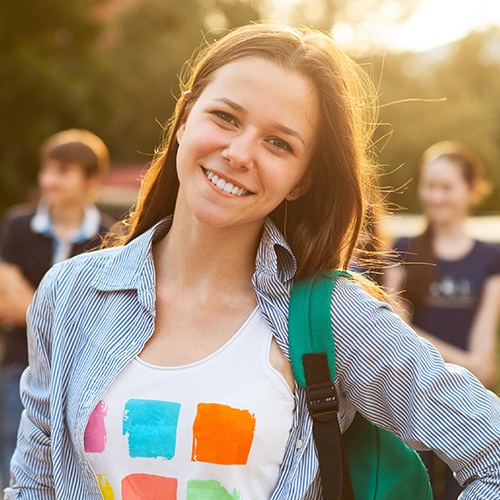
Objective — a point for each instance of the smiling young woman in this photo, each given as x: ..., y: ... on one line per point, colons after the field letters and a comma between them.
x: 154, y: 362
x: 246, y: 132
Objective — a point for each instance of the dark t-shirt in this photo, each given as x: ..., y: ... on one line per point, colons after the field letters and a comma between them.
x: 32, y: 253
x: 453, y: 297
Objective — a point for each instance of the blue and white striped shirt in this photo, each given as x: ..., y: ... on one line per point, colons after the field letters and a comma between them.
x: 93, y: 314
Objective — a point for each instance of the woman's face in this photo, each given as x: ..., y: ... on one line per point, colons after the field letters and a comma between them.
x: 444, y: 193
x: 246, y: 143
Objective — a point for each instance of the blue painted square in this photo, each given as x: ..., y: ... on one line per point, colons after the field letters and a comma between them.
x: 151, y: 427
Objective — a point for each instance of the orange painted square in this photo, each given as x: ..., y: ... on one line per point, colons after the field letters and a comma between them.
x: 222, y: 435
x: 148, y: 487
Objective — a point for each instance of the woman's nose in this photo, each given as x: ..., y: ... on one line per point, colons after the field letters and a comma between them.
x: 241, y: 150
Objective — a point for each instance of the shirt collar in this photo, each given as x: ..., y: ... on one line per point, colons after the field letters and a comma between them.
x: 274, y: 254
x: 130, y: 263
x: 133, y: 262
x: 41, y: 223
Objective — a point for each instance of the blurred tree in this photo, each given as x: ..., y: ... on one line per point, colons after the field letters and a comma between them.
x: 107, y: 65
x: 152, y: 39
x: 148, y: 43
x: 451, y: 92
x: 111, y: 66
x: 232, y: 13
x: 446, y: 93
x: 51, y: 79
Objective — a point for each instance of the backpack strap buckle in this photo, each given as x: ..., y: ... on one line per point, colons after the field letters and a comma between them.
x: 322, y: 401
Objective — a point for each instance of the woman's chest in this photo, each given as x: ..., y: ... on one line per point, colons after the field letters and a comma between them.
x: 195, y: 427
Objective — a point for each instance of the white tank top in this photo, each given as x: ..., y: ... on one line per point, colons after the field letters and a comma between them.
x: 214, y: 429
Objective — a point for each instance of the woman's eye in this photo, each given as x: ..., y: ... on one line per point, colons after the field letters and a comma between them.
x: 281, y: 144
x: 225, y: 117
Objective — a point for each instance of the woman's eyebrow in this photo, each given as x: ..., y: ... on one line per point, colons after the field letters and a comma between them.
x: 232, y: 104
x: 289, y: 131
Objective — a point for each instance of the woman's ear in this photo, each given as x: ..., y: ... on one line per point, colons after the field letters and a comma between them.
x: 180, y: 131
x: 185, y: 111
x: 300, y: 189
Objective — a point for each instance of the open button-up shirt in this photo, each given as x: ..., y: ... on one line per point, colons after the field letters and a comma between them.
x: 94, y: 313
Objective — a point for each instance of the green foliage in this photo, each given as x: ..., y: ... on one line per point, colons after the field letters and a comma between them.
x: 153, y: 41
x: 75, y: 64
x: 105, y: 65
x: 50, y: 80
x: 449, y: 93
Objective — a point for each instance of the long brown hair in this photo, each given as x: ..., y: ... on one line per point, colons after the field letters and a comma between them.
x: 421, y: 273
x: 323, y: 225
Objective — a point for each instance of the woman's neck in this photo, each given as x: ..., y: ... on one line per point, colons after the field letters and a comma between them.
x: 450, y: 241
x: 207, y: 259
x: 449, y: 230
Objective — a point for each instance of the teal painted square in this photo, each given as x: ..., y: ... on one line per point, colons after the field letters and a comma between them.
x: 151, y: 427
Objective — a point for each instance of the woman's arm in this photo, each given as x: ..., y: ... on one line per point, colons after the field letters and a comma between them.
x: 32, y: 463
x: 399, y: 382
x: 483, y: 334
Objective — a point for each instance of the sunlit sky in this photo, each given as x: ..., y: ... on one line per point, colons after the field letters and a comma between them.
x: 434, y: 23
x: 438, y: 22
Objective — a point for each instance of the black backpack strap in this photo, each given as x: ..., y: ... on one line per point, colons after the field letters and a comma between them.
x: 323, y: 404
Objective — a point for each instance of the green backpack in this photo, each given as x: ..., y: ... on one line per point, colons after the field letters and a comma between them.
x: 366, y: 462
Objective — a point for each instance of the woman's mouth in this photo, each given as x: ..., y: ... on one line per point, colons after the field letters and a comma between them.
x: 224, y: 185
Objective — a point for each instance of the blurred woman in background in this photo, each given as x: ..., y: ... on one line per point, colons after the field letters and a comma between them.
x: 450, y: 282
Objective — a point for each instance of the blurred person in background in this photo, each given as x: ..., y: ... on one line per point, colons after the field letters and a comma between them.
x: 65, y: 222
x: 450, y: 282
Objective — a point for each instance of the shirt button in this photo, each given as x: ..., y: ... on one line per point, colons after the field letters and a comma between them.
x: 298, y: 444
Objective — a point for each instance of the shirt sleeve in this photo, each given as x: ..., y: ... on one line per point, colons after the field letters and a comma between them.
x: 32, y: 463
x: 494, y: 268
x: 399, y: 382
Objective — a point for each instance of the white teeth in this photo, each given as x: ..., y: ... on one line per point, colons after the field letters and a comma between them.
x: 227, y: 187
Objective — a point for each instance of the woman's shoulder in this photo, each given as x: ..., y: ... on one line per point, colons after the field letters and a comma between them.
x: 82, y: 267
x: 114, y: 267
x: 488, y: 254
x: 352, y: 303
x: 487, y: 248
x: 403, y: 244
x: 365, y: 327
x: 484, y: 253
